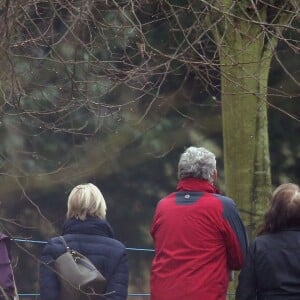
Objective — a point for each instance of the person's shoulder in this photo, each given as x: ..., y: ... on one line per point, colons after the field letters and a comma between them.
x: 225, y: 199
x: 270, y: 238
x: 4, y: 239
x: 115, y: 243
x: 3, y: 236
x: 54, y: 241
x: 5, y: 245
x: 95, y: 241
x: 168, y: 196
x: 227, y: 202
x: 261, y: 243
x: 228, y: 206
x: 167, y: 199
x: 53, y: 245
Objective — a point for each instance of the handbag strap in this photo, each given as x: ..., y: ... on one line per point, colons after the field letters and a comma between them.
x: 64, y: 242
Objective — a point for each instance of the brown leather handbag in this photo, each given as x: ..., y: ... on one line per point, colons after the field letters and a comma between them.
x: 79, y: 278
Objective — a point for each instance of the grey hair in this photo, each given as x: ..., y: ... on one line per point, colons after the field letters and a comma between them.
x: 197, y: 163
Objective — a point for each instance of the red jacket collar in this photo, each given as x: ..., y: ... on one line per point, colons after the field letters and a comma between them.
x: 196, y: 185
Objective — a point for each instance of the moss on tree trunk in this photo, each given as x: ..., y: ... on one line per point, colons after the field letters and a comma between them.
x: 245, y: 63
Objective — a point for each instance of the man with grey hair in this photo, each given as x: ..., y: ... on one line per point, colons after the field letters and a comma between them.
x: 198, y: 235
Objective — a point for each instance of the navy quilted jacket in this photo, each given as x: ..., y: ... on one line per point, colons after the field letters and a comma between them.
x: 93, y: 238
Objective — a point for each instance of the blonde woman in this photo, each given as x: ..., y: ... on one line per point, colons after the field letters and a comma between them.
x: 87, y: 231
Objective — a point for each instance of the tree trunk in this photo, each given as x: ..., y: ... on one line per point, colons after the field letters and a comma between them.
x: 245, y: 63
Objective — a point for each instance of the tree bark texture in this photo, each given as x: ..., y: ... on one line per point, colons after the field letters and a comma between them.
x: 245, y: 57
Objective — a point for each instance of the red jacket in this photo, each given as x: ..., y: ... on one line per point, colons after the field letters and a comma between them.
x: 198, y: 237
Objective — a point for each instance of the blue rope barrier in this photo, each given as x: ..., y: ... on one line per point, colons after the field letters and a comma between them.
x: 36, y: 295
x: 141, y: 249
x: 44, y: 242
x: 129, y: 295
x: 28, y: 241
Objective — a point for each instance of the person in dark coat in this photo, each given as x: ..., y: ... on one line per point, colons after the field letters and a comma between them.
x: 87, y: 232
x: 272, y: 267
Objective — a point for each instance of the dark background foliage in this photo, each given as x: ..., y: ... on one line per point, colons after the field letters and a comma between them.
x: 112, y: 98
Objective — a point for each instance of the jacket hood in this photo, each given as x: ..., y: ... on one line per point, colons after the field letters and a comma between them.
x: 91, y: 225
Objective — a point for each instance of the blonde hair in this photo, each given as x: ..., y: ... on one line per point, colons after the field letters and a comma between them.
x: 86, y: 200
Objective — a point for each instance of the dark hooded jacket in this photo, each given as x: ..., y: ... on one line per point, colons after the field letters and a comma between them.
x: 272, y: 268
x: 93, y: 238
